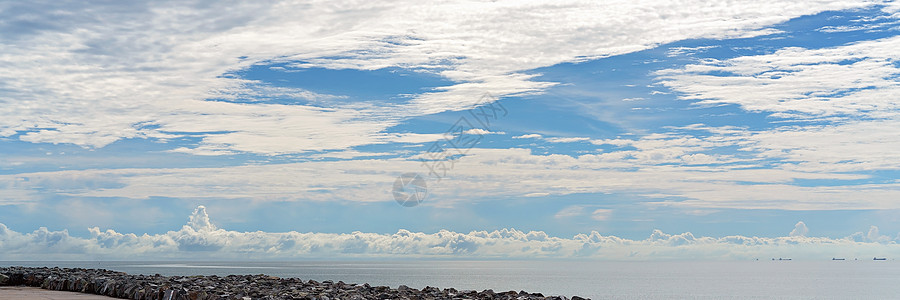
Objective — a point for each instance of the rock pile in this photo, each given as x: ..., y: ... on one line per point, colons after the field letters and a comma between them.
x: 251, y: 287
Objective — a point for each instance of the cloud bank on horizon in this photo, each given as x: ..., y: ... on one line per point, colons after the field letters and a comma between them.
x: 623, y: 117
x: 199, y: 238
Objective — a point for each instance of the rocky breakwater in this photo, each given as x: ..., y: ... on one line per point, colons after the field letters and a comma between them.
x: 158, y: 287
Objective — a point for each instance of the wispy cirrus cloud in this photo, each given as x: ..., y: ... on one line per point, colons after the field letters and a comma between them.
x: 846, y: 92
x: 734, y: 183
x: 855, y: 80
x: 93, y: 74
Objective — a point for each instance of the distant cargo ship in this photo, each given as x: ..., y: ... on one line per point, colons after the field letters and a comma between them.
x: 837, y: 259
x: 879, y: 258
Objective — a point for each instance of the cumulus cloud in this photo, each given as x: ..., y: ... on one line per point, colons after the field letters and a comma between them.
x: 200, y: 239
x: 199, y: 220
x: 799, y: 229
x: 874, y: 236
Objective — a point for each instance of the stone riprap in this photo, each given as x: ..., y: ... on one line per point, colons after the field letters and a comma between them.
x: 123, y: 285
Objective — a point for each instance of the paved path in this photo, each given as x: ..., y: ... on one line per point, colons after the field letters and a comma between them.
x: 33, y: 293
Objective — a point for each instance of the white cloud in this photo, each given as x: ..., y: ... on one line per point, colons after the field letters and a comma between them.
x: 536, y: 195
x: 874, y: 236
x: 800, y: 229
x: 849, y: 28
x: 552, y: 139
x: 581, y: 211
x: 566, y: 139
x: 570, y: 212
x: 687, y: 51
x: 601, y: 214
x: 123, y: 71
x: 199, y: 239
x: 528, y: 136
x: 496, y: 173
x: 199, y: 220
x: 845, y: 147
x: 348, y: 154
x: 479, y: 131
x: 849, y: 87
x: 857, y: 79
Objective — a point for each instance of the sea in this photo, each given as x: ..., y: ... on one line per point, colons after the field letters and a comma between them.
x: 762, y: 279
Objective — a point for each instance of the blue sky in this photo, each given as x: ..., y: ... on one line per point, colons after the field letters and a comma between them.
x: 737, y: 129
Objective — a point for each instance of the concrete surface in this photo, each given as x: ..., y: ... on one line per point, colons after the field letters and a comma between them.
x: 33, y: 293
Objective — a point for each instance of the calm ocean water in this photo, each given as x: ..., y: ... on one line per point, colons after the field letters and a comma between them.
x: 863, y: 279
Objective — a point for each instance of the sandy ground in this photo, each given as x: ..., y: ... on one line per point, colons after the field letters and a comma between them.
x: 29, y: 293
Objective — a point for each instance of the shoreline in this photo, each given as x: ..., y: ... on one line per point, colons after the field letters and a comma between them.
x: 36, y: 293
x: 126, y: 286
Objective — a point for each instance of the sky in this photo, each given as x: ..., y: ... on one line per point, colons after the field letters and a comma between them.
x: 618, y: 130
